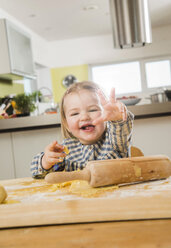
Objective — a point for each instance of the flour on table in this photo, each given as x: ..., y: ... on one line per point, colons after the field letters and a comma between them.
x: 32, y: 190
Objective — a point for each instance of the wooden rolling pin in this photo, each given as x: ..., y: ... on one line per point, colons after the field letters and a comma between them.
x: 117, y: 171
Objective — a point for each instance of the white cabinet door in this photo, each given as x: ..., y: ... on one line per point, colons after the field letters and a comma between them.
x: 6, y: 157
x: 27, y: 144
x: 153, y: 135
x: 16, y: 51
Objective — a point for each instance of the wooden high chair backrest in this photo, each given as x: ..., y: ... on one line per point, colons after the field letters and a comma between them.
x: 136, y: 152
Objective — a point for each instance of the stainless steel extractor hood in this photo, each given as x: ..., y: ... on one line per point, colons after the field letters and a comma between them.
x: 131, y: 25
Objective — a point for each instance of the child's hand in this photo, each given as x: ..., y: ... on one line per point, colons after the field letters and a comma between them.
x: 112, y: 110
x: 53, y: 154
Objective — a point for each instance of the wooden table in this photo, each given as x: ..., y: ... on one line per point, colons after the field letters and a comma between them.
x: 112, y: 229
x: 126, y: 234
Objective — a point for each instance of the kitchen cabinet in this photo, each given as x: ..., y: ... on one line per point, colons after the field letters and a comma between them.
x: 27, y: 144
x: 7, y: 166
x: 18, y: 149
x: 153, y: 135
x: 16, y: 51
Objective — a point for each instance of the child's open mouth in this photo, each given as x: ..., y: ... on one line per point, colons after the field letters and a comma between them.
x: 88, y: 127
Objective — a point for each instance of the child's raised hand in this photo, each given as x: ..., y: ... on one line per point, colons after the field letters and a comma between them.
x: 53, y: 154
x: 113, y: 110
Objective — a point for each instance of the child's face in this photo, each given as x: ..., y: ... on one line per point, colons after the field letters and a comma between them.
x: 81, y: 109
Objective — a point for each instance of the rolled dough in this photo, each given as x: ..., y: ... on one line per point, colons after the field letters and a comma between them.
x: 82, y: 188
x: 3, y: 194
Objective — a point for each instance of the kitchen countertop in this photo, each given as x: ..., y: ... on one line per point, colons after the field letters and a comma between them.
x: 53, y: 120
x: 30, y: 123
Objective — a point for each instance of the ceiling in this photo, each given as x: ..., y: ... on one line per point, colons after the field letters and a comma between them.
x: 67, y: 19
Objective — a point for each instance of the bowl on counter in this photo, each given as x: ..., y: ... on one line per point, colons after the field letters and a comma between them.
x: 130, y: 100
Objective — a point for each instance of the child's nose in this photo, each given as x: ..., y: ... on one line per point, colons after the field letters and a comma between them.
x: 85, y: 116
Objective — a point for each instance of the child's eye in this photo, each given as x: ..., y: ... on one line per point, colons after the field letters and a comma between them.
x: 74, y: 114
x: 93, y: 110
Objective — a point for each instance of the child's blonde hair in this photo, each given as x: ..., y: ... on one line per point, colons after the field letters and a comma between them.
x: 76, y: 87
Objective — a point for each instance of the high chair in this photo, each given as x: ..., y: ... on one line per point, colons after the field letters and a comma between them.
x: 136, y: 152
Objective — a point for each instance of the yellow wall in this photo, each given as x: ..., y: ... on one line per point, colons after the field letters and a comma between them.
x: 58, y: 74
x: 7, y: 88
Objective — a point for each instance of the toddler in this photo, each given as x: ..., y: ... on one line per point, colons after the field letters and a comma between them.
x: 94, y: 128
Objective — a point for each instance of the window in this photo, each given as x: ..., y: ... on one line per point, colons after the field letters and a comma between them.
x: 124, y: 77
x: 158, y: 73
x: 135, y: 77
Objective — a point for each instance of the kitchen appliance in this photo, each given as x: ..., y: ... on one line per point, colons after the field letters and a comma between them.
x: 131, y: 24
x: 168, y: 94
x: 158, y: 97
x: 117, y: 171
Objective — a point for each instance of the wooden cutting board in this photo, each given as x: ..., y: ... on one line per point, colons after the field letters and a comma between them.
x: 34, y: 202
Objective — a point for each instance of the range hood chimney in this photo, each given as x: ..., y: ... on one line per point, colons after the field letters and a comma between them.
x: 131, y: 24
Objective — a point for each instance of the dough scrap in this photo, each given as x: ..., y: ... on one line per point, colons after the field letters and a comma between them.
x: 10, y: 201
x: 79, y: 188
x: 3, y: 194
x: 66, y: 150
x: 83, y: 189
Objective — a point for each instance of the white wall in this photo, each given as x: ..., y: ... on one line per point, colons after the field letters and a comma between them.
x: 100, y: 49
x: 88, y: 50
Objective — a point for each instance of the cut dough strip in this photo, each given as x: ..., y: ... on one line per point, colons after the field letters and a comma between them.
x: 3, y: 194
